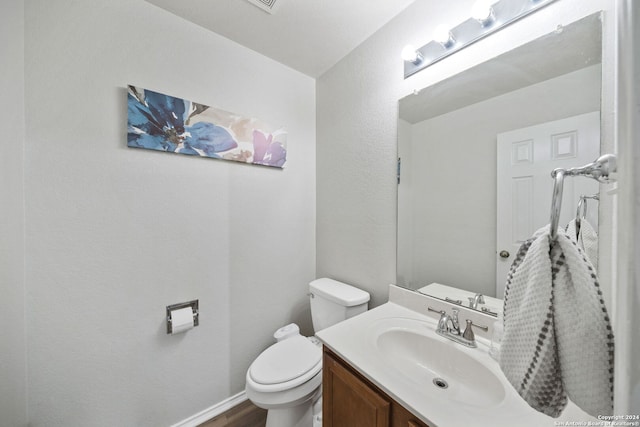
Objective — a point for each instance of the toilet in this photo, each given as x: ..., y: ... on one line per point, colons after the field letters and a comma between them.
x: 286, y: 378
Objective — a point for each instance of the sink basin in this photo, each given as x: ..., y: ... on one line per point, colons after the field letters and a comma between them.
x: 411, y: 349
x: 398, y: 350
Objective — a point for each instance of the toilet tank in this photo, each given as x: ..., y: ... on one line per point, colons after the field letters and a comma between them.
x: 333, y: 302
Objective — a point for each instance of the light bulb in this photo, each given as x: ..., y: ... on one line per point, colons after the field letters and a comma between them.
x: 443, y: 36
x: 410, y: 54
x: 483, y: 12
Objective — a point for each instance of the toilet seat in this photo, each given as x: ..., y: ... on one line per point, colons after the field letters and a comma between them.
x: 285, y: 365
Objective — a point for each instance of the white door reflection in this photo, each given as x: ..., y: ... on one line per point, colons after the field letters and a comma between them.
x: 526, y: 158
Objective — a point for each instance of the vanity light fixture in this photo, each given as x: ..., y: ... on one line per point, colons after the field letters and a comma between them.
x: 487, y: 17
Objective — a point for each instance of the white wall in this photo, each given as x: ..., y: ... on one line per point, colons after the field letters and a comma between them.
x: 357, y: 129
x: 453, y: 167
x: 113, y: 234
x: 13, y: 397
x: 626, y: 314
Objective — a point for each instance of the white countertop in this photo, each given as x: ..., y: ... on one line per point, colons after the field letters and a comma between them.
x: 352, y: 341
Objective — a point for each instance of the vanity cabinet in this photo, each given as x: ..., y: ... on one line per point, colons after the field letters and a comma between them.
x: 350, y: 400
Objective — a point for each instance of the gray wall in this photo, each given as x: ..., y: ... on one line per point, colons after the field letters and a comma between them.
x: 13, y: 397
x: 113, y: 234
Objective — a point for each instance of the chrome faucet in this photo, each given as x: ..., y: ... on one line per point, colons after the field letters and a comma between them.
x: 467, y: 338
x: 443, y: 322
x: 474, y: 301
x: 455, y: 326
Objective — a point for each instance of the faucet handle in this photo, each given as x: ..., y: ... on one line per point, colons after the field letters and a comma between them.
x: 441, y: 312
x: 444, y: 320
x: 468, y: 332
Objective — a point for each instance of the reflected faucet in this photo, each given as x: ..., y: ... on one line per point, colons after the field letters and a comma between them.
x: 477, y: 299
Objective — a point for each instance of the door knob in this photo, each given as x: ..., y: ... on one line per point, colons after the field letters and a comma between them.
x: 504, y: 254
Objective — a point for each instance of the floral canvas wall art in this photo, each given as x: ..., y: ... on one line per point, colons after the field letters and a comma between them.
x: 166, y: 123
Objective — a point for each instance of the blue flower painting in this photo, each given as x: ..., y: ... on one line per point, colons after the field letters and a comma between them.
x: 165, y: 123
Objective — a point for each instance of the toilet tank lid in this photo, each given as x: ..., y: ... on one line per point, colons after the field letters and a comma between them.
x: 339, y: 292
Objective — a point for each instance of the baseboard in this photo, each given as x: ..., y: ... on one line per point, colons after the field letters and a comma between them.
x: 212, y: 411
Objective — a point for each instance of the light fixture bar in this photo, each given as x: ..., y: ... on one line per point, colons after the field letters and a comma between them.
x: 501, y: 14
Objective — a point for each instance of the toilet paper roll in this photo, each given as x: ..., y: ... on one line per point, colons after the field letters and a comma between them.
x: 181, y: 320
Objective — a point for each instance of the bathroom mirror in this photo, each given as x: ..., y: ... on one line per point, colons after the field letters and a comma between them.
x: 451, y: 144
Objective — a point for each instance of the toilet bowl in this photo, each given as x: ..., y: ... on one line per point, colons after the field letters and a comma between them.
x: 286, y: 378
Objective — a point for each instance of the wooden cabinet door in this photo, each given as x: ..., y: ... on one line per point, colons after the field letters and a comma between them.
x: 348, y: 401
x: 403, y: 418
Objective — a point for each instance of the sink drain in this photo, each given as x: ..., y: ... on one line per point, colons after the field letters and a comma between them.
x: 440, y: 383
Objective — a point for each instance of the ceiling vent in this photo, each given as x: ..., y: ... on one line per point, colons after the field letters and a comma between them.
x: 270, y: 6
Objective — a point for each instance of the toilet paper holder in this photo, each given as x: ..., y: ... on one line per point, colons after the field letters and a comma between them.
x: 194, y: 308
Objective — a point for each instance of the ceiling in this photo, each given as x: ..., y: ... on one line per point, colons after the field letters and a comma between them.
x: 307, y: 35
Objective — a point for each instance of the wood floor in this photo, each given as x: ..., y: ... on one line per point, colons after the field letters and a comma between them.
x: 245, y: 414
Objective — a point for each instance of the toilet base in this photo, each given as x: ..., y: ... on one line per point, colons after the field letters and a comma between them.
x: 299, y: 415
x: 295, y: 416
